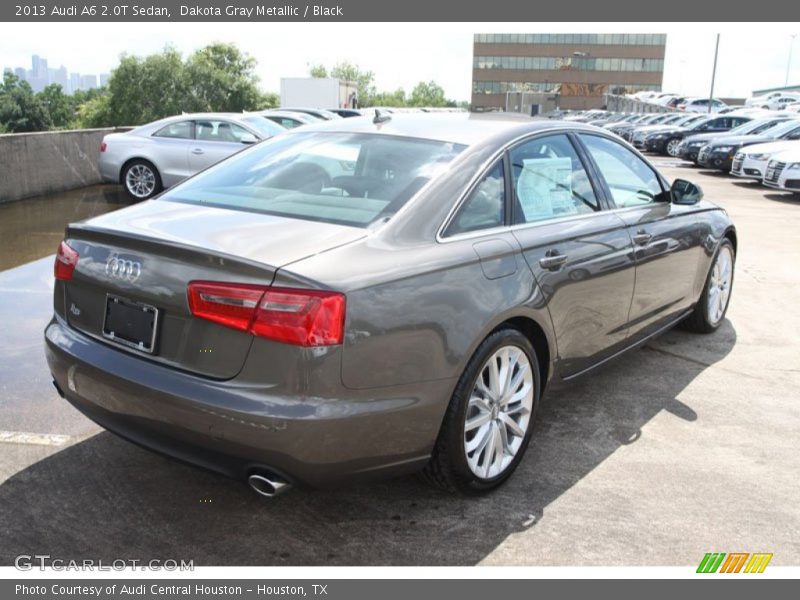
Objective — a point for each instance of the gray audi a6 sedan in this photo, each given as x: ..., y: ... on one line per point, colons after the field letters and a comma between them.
x: 376, y: 296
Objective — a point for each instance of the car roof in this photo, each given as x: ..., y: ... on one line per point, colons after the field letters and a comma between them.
x: 458, y: 128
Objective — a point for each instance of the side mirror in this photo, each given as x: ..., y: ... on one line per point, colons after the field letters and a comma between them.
x: 248, y: 138
x: 685, y: 192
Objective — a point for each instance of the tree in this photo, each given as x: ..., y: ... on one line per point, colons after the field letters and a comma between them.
x: 318, y: 71
x: 59, y: 106
x: 428, y: 94
x: 221, y: 78
x: 364, y: 80
x: 396, y: 98
x: 20, y: 109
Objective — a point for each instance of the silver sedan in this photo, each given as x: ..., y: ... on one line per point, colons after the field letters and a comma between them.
x: 158, y: 155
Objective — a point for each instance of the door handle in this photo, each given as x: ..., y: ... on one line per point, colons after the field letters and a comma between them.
x: 553, y: 261
x: 197, y: 151
x: 642, y: 237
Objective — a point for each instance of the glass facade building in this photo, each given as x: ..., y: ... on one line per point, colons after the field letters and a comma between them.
x: 575, y: 70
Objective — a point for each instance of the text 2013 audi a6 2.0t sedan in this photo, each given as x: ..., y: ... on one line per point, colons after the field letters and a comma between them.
x: 378, y: 296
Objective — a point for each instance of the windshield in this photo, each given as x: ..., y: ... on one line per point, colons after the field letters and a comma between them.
x: 344, y: 178
x: 264, y: 126
x: 783, y: 127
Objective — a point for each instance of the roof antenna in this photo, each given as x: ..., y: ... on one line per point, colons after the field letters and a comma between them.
x: 381, y: 116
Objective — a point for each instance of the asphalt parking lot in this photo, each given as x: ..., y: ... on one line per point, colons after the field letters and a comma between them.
x: 687, y: 446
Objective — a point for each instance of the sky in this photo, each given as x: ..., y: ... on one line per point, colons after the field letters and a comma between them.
x: 402, y: 54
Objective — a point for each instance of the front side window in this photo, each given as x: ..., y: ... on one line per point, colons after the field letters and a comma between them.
x: 549, y: 181
x: 631, y: 180
x: 345, y: 178
x: 182, y: 130
x: 485, y: 207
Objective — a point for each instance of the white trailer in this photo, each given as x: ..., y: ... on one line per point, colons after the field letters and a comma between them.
x: 315, y: 92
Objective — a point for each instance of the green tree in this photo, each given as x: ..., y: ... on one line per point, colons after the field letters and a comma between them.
x: 221, y: 78
x: 59, y: 106
x: 20, y: 109
x: 393, y: 99
x: 429, y: 94
x: 318, y: 71
x: 364, y: 80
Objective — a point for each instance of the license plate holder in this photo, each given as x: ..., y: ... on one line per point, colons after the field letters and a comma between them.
x: 131, y: 324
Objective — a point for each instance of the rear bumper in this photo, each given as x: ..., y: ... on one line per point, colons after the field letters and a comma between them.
x: 109, y: 170
x: 238, y: 427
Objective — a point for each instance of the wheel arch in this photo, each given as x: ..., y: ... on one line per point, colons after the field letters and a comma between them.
x: 132, y: 159
x: 540, y: 341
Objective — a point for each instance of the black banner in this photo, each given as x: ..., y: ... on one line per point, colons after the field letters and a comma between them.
x: 405, y: 11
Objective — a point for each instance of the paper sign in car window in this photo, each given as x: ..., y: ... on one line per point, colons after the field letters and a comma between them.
x: 544, y: 188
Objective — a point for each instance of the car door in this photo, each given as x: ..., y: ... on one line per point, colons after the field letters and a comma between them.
x: 170, y: 151
x: 580, y: 254
x: 666, y: 237
x: 215, y: 140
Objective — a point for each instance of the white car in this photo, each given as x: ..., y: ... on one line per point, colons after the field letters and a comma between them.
x: 783, y: 171
x: 782, y: 102
x: 751, y: 161
x: 793, y: 107
x: 765, y: 99
x: 700, y: 105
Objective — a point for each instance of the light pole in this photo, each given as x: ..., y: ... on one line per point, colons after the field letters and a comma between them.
x: 713, y: 77
x: 586, y: 74
x: 789, y: 62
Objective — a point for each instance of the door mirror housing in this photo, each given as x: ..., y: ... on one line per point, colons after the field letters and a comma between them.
x: 248, y: 138
x: 685, y: 192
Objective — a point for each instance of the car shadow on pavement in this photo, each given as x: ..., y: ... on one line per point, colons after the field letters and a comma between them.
x: 787, y: 198
x: 107, y: 499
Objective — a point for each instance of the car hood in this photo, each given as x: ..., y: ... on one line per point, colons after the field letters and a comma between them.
x: 267, y: 239
x: 773, y: 147
x: 740, y: 140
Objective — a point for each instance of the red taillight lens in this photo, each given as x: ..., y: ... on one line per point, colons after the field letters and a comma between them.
x: 230, y: 305
x: 103, y: 146
x: 293, y: 316
x: 66, y: 259
x: 303, y: 317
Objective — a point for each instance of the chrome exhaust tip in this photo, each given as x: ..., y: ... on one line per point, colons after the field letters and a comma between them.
x: 268, y: 486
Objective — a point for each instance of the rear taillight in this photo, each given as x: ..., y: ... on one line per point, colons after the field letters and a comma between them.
x: 66, y: 259
x: 103, y: 146
x: 293, y: 316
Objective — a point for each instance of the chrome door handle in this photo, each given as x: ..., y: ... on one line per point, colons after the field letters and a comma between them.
x: 197, y: 151
x: 553, y: 261
x: 642, y: 237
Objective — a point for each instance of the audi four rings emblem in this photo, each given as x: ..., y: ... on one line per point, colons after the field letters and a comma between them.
x: 126, y: 270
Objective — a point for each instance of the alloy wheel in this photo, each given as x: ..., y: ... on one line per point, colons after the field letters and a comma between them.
x: 719, y: 286
x: 140, y: 181
x: 498, y: 412
x: 672, y: 147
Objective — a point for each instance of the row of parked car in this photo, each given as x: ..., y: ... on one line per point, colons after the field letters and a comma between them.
x: 772, y: 101
x: 750, y: 142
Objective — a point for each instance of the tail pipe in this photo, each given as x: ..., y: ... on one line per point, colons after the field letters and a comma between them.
x: 268, y: 485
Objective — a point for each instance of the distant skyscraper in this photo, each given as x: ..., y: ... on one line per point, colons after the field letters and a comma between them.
x: 60, y: 77
x: 74, y: 82
x: 103, y: 79
x: 21, y: 73
x: 88, y: 82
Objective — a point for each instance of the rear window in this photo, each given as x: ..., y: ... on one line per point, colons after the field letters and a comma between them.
x: 343, y: 178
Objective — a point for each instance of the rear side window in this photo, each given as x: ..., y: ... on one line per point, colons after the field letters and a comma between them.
x: 219, y: 131
x: 183, y: 130
x: 485, y: 207
x: 549, y: 181
x: 631, y: 180
x: 344, y: 178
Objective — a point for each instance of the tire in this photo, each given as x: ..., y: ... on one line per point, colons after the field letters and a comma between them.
x: 710, y: 310
x: 671, y: 147
x: 497, y: 446
x: 141, y: 179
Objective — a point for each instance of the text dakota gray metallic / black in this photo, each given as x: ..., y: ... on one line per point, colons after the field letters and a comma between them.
x: 375, y: 296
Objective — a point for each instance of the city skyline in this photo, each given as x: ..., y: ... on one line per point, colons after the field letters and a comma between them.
x: 40, y: 75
